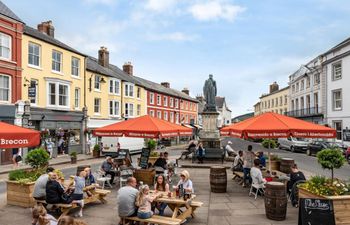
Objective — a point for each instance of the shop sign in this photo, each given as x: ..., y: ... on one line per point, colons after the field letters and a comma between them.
x: 32, y: 92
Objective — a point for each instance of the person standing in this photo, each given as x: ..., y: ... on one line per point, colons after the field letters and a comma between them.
x: 60, y: 146
x: 88, y: 146
x: 16, y: 155
x: 200, y: 152
x: 49, y: 147
x: 248, y: 160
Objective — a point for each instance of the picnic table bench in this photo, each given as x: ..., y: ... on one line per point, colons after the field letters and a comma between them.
x: 155, y: 219
x: 97, y: 195
x: 237, y: 174
x: 212, y: 153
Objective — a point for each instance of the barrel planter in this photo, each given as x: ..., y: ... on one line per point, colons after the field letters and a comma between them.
x: 341, y: 205
x: 145, y: 175
x: 218, y: 179
x: 275, y: 201
x: 20, y: 194
x: 275, y: 165
x: 286, y: 164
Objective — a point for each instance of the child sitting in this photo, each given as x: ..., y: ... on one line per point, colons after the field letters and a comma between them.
x: 143, y: 202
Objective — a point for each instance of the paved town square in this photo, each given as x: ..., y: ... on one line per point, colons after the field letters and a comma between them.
x: 170, y: 112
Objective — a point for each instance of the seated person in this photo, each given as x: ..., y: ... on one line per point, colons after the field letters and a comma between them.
x: 163, y: 186
x: 185, y: 182
x: 295, y: 176
x: 55, y: 191
x: 191, y: 145
x: 107, y: 167
x: 262, y: 159
x: 200, y: 152
x: 238, y: 162
x: 89, y: 179
x: 126, y: 198
x: 161, y: 162
x: 40, y: 216
x: 39, y: 192
x: 255, y: 173
x: 230, y: 150
x: 143, y: 202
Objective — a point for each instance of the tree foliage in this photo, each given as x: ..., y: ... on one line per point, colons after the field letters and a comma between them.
x: 331, y: 158
x: 37, y: 158
x: 269, y: 143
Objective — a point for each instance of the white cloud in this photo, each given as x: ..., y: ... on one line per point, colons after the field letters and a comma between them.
x: 160, y: 5
x: 175, y: 36
x: 214, y: 10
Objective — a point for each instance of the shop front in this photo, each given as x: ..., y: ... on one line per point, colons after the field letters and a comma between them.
x: 62, y: 129
x: 7, y: 115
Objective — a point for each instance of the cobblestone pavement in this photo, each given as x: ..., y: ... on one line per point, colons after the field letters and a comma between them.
x: 232, y: 208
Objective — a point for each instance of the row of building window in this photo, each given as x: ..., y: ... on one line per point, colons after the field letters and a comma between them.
x: 114, y: 108
x: 305, y: 83
x: 186, y: 118
x: 183, y: 104
x: 275, y: 102
x: 296, y: 106
x: 34, y: 59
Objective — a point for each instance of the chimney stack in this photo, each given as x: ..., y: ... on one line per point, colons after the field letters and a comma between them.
x: 186, y: 91
x: 47, y: 28
x: 165, y: 84
x: 274, y: 87
x: 103, y: 57
x: 128, y: 68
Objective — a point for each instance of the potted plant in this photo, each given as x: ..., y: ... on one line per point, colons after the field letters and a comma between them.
x: 73, y: 157
x: 96, y: 151
x: 154, y: 155
x: 21, y: 182
x: 274, y: 160
x: 320, y: 187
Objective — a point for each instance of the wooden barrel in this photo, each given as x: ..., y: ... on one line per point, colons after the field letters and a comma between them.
x: 218, y: 179
x: 275, y: 201
x: 286, y: 163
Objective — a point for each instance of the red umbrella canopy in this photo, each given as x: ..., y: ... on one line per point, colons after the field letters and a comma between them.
x: 12, y: 136
x: 273, y: 125
x: 143, y: 127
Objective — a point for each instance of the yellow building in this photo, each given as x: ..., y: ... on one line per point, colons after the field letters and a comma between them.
x: 53, y: 82
x: 112, y: 94
x: 276, y: 101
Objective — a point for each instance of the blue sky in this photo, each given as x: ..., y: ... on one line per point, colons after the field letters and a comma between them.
x: 245, y: 44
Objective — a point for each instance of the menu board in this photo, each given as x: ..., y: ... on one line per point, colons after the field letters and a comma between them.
x: 316, y: 212
x: 144, y: 157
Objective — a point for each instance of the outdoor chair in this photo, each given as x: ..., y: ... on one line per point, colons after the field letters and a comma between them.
x: 255, y: 188
x: 101, y: 179
x: 125, y: 173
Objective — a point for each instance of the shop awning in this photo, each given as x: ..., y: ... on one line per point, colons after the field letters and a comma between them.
x: 12, y: 136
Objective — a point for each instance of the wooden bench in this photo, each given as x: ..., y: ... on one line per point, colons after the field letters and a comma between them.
x: 188, y: 152
x: 212, y: 153
x: 237, y: 174
x: 64, y: 208
x: 155, y: 219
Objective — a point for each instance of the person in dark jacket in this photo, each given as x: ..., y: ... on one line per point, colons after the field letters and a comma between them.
x: 200, y: 152
x: 296, y: 176
x: 161, y: 161
x: 55, y: 191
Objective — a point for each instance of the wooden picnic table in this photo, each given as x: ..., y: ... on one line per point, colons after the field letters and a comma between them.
x: 175, y: 204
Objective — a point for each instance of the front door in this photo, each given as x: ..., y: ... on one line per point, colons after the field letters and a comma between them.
x: 6, y: 156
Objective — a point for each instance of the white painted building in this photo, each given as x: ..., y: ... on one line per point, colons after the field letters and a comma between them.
x: 336, y: 69
x: 224, y: 117
x: 307, y: 92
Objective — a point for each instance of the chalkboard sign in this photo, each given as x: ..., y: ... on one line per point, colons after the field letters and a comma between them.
x: 144, y: 157
x: 316, y: 212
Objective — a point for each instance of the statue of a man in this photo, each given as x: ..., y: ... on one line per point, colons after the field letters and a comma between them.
x: 210, y: 92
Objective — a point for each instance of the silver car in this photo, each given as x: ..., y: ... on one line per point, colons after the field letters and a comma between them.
x: 293, y: 144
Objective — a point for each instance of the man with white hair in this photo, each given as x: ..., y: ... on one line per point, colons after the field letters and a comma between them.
x: 108, y: 168
x: 229, y: 149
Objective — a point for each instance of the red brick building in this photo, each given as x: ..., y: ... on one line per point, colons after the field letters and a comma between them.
x: 11, y: 29
x: 167, y: 103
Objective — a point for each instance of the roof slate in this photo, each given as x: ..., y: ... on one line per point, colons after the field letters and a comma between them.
x: 44, y: 37
x: 4, y: 10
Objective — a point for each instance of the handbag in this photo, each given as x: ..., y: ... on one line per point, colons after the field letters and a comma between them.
x: 18, y: 158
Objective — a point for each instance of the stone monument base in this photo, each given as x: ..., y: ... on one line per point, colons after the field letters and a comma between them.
x: 210, y: 135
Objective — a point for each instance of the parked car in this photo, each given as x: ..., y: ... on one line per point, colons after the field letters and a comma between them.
x: 293, y: 144
x: 317, y: 146
x: 347, y: 154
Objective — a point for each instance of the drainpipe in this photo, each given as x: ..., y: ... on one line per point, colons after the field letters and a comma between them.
x: 85, y: 117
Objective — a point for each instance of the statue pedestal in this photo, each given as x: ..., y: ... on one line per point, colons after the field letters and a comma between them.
x: 210, y: 135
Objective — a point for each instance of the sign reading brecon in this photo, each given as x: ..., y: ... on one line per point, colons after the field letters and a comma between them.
x: 13, y: 141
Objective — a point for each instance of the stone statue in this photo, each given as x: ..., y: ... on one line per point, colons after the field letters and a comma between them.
x: 210, y: 92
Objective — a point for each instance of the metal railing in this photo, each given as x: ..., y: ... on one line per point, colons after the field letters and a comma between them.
x: 313, y: 111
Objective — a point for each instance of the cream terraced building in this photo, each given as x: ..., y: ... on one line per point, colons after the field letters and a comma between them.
x: 276, y: 101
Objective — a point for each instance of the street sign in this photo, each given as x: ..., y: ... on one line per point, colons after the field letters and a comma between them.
x: 32, y: 92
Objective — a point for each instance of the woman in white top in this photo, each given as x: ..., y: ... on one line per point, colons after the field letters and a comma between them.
x: 256, y: 175
x: 186, y: 182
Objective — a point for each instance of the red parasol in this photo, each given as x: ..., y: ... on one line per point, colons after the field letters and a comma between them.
x: 12, y: 136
